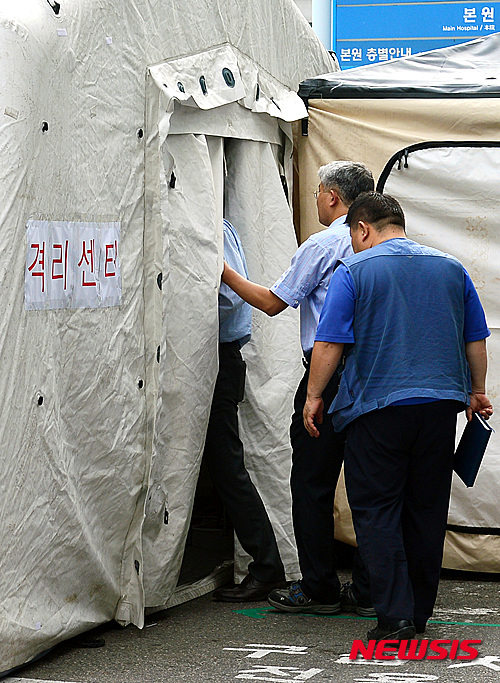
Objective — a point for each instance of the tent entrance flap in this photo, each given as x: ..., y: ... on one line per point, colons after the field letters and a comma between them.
x: 188, y: 352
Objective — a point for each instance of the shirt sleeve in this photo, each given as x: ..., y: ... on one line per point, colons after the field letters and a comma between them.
x: 475, y: 327
x: 336, y: 323
x: 306, y: 270
x: 229, y: 301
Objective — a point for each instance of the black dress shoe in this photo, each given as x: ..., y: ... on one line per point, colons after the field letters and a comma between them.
x: 395, y: 630
x: 249, y: 590
x: 420, y: 628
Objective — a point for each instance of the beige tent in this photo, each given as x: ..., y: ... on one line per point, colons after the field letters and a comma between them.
x: 428, y: 128
x: 127, y: 130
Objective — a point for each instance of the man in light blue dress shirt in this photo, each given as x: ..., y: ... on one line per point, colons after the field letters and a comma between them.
x: 316, y: 463
x: 224, y: 450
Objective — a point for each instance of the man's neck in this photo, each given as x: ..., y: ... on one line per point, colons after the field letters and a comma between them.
x: 337, y: 217
x: 388, y: 233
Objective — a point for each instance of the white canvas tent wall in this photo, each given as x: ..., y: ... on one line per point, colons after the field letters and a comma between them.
x: 428, y: 128
x: 105, y: 407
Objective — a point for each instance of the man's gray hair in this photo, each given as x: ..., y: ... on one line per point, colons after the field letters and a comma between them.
x: 348, y: 178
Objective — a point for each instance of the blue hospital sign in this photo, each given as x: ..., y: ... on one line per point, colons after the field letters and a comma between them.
x: 378, y: 31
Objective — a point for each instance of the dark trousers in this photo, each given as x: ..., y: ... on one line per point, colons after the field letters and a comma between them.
x: 316, y: 465
x: 225, y: 459
x: 398, y: 467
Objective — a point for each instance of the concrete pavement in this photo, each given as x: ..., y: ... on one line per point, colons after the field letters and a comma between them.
x: 203, y: 641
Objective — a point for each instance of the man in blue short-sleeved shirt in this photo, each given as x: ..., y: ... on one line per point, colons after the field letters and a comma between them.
x: 410, y: 326
x: 316, y: 464
x: 223, y: 448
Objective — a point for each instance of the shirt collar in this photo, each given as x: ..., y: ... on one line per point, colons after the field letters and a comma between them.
x: 338, y: 221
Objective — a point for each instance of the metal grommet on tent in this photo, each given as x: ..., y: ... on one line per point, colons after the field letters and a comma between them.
x: 140, y: 383
x: 55, y: 6
x: 140, y: 133
x: 45, y: 127
x: 228, y: 77
x: 180, y: 86
x: 40, y: 400
x: 203, y: 85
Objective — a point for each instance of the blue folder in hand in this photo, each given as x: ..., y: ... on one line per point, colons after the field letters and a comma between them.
x: 471, y: 448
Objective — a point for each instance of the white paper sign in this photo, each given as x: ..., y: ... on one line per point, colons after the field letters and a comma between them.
x: 72, y: 264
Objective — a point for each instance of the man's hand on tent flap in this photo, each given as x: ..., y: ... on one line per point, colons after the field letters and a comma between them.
x: 256, y: 295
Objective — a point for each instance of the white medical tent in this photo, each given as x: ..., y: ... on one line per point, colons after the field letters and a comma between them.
x: 428, y: 127
x: 127, y: 130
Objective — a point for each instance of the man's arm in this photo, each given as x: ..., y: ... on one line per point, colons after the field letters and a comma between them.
x: 324, y: 361
x: 254, y: 294
x: 477, y: 358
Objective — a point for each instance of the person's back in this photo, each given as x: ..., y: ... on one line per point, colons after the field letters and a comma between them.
x: 408, y: 328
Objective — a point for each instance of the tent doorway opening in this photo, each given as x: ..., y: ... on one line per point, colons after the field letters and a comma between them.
x: 208, y: 178
x: 210, y: 541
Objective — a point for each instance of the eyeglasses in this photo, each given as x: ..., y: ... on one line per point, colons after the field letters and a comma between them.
x: 317, y: 192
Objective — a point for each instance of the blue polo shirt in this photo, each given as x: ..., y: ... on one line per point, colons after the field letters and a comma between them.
x: 409, y: 300
x: 235, y: 315
x: 337, y: 323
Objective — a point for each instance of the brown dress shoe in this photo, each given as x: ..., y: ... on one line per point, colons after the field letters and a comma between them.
x: 249, y: 590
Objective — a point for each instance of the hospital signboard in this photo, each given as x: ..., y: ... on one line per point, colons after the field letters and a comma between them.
x: 376, y: 31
